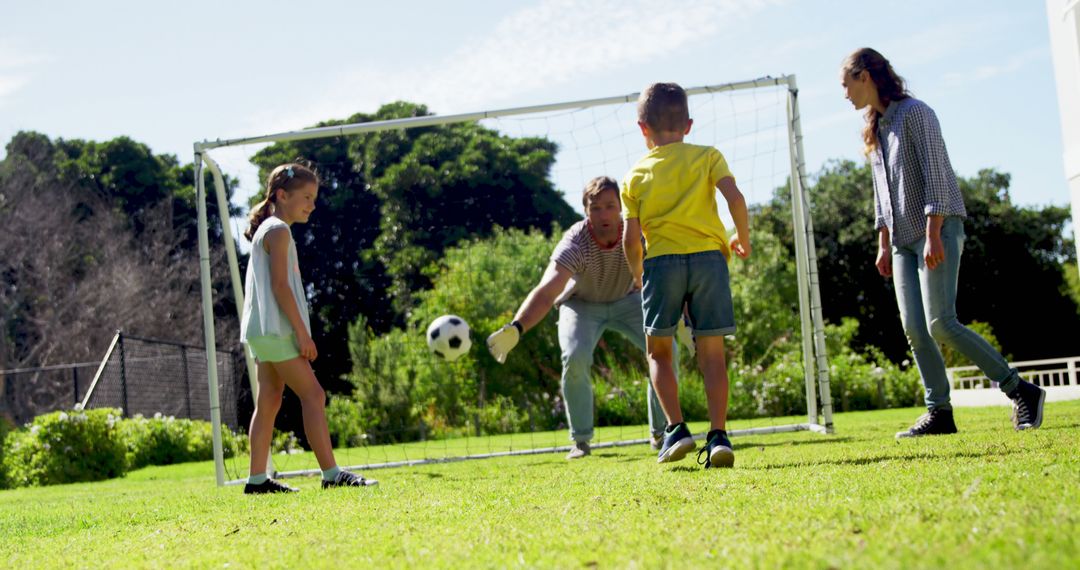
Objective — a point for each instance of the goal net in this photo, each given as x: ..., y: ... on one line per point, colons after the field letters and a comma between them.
x: 755, y: 124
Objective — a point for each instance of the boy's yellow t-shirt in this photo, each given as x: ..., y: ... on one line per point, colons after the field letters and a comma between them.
x: 672, y: 192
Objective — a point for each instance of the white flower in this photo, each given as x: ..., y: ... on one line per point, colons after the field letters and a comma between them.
x: 63, y: 416
x: 78, y: 407
x: 905, y: 363
x: 157, y: 415
x: 878, y: 371
x: 46, y: 446
x: 34, y: 429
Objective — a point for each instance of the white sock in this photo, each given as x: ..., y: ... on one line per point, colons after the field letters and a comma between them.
x: 331, y: 473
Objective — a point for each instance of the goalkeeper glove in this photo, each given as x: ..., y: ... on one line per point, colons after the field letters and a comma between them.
x: 686, y: 336
x: 502, y: 341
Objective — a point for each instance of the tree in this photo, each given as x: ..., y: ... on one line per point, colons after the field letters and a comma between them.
x: 1011, y: 271
x: 95, y: 238
x: 393, y: 201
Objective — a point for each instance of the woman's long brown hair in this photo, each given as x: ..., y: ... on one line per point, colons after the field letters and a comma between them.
x: 890, y: 87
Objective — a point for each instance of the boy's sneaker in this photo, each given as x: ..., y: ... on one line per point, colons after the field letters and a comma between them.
x: 1028, y: 402
x: 717, y: 450
x: 656, y: 440
x: 268, y: 486
x: 580, y: 449
x: 677, y: 443
x: 933, y: 422
x: 348, y: 479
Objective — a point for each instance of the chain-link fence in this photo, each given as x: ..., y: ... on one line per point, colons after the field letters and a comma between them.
x: 27, y: 392
x: 140, y: 376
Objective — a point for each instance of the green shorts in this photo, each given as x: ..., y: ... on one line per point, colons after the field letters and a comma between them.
x: 274, y: 348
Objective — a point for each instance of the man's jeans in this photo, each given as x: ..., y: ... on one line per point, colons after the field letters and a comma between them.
x: 927, y: 300
x: 580, y: 326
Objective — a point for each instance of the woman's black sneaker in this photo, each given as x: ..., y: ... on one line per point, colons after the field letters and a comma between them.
x: 717, y: 450
x: 934, y: 422
x: 348, y: 479
x: 1028, y: 400
x: 268, y: 486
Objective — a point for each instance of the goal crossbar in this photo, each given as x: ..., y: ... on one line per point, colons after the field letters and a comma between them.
x: 815, y: 359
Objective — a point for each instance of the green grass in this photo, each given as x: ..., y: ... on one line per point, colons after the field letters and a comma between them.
x: 988, y: 497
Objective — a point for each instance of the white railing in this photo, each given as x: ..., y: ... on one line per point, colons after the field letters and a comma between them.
x: 1050, y: 372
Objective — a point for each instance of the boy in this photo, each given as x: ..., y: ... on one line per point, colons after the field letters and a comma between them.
x: 669, y: 196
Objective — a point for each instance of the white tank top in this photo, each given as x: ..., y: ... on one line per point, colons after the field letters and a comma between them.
x: 262, y: 316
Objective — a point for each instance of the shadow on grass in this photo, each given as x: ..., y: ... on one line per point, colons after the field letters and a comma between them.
x: 685, y: 469
x: 1059, y: 426
x: 737, y: 444
x: 883, y: 458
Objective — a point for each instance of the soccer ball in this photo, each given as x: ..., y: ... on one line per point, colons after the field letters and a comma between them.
x: 448, y: 337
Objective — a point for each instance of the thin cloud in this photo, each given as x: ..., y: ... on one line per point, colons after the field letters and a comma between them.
x: 984, y: 72
x: 551, y: 43
x: 14, y: 68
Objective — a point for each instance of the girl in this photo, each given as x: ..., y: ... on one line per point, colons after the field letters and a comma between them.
x: 920, y: 221
x: 275, y: 326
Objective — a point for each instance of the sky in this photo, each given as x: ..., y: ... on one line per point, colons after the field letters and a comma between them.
x: 170, y: 74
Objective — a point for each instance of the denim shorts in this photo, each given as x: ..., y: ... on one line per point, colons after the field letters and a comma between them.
x: 701, y: 281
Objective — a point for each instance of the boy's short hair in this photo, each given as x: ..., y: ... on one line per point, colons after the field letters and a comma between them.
x: 663, y: 107
x: 598, y: 186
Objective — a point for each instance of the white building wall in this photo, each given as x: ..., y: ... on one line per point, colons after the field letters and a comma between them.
x: 1063, y: 17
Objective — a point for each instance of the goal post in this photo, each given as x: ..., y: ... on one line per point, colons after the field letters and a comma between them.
x: 815, y: 360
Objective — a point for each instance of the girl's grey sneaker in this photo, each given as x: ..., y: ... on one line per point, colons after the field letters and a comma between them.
x: 1028, y: 400
x: 717, y: 450
x: 349, y: 479
x: 677, y: 443
x: 268, y: 486
x: 580, y: 449
x: 933, y: 422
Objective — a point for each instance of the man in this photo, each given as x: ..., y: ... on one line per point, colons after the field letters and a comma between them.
x: 589, y: 281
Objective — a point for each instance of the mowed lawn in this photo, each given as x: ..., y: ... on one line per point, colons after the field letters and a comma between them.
x: 986, y: 498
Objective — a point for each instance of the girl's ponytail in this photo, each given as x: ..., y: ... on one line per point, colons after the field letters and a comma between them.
x: 257, y: 216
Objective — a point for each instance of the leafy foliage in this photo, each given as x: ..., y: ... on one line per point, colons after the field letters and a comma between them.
x: 483, y: 281
x: 392, y: 202
x: 99, y: 236
x: 165, y: 440
x: 1008, y: 250
x: 64, y: 447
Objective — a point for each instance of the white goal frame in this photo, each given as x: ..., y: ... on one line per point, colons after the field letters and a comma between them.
x: 815, y: 360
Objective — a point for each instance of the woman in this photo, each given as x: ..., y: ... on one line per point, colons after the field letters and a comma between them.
x: 920, y: 221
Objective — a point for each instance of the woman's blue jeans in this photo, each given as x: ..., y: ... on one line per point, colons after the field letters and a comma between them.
x: 927, y: 301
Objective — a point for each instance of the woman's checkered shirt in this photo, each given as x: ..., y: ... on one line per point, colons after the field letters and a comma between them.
x: 913, y: 177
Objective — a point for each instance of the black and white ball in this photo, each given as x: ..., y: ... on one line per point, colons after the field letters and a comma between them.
x: 448, y: 337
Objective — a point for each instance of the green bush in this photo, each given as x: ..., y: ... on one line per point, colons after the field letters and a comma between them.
x: 345, y: 420
x: 402, y: 392
x: 165, y: 440
x: 285, y: 442
x: 67, y: 447
x: 401, y: 385
x: 5, y: 429
x: 621, y: 398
